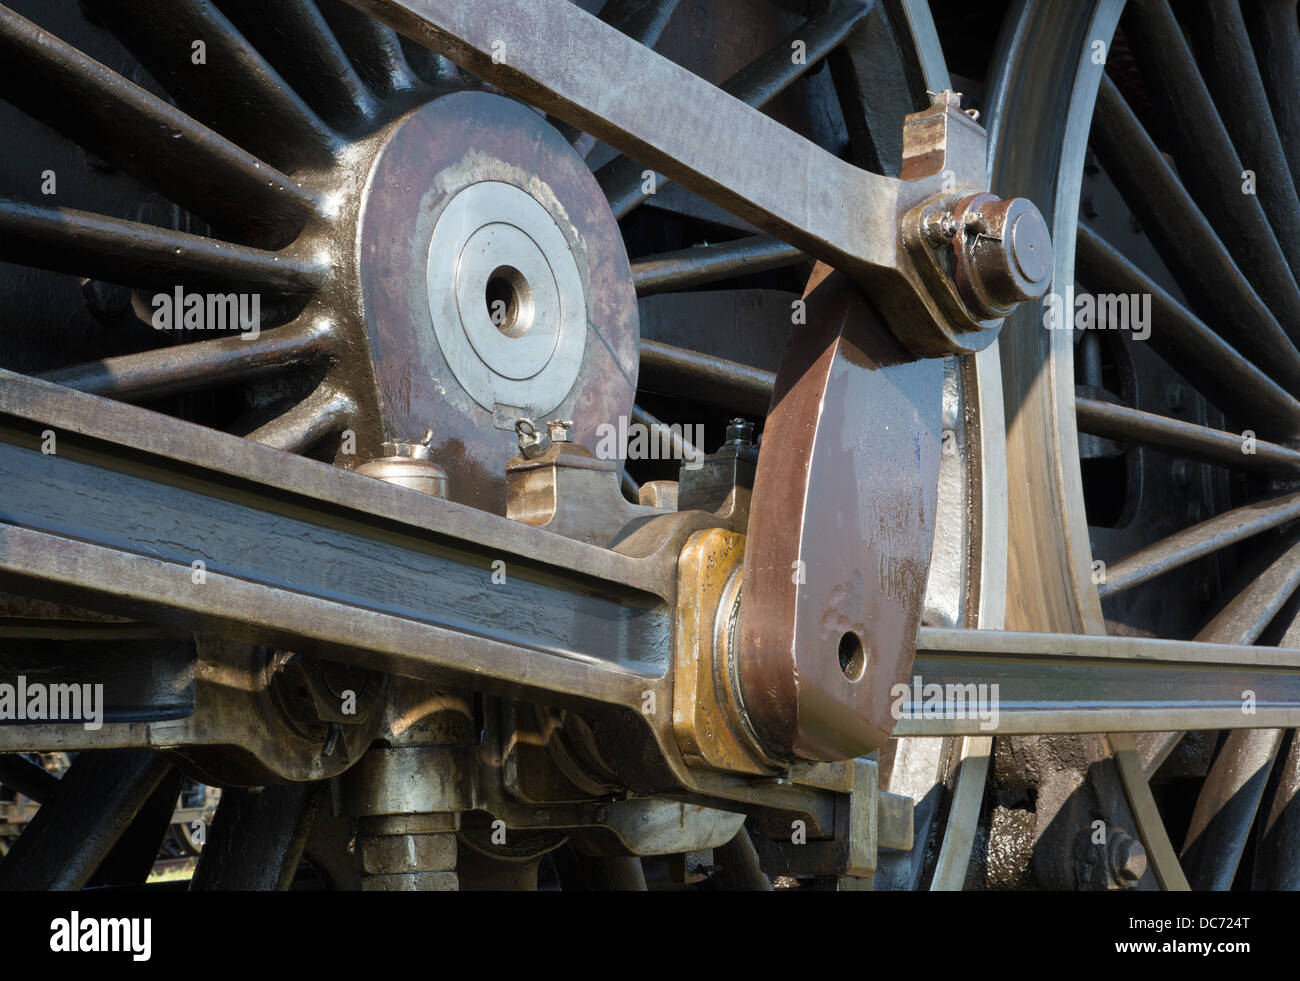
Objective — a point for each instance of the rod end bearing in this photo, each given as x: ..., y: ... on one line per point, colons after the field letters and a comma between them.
x: 979, y: 255
x: 973, y: 256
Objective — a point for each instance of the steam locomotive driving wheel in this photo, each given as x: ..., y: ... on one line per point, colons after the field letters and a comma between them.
x: 506, y: 445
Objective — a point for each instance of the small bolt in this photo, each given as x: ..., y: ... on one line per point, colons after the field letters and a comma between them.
x: 945, y: 98
x: 1127, y: 858
x: 940, y: 229
x: 558, y: 430
x: 740, y: 432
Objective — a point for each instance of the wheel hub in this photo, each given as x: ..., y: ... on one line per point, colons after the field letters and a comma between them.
x: 495, y: 285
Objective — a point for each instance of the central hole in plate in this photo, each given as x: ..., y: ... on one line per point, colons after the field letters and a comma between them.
x: 509, y: 301
x: 853, y: 658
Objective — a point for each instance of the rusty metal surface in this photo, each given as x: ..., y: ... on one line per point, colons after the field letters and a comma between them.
x: 838, y: 577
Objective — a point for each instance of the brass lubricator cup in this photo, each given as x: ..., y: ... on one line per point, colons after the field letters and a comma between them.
x: 408, y: 465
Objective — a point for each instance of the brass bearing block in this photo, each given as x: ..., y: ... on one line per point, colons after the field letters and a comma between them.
x: 708, y: 715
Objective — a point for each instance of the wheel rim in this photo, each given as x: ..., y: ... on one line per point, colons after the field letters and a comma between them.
x: 1054, y: 583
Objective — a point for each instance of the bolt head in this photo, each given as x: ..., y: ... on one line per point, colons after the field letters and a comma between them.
x: 1128, y: 859
x: 740, y: 431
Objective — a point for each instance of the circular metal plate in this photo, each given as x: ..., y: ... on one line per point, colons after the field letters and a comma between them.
x: 532, y: 363
x: 475, y: 200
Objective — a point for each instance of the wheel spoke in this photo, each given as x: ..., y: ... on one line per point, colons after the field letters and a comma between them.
x: 641, y: 20
x: 1200, y: 355
x: 133, y: 857
x: 1205, y: 155
x: 1253, y: 609
x: 1197, y: 541
x: 133, y: 254
x: 1232, y: 76
x: 146, y: 137
x: 631, y: 489
x: 623, y: 179
x: 870, y: 56
x: 710, y: 263
x: 32, y: 781
x: 1154, y: 748
x: 679, y: 371
x: 373, y: 48
x: 680, y: 446
x: 1277, y: 851
x: 1230, y: 797
x: 739, y: 866
x: 294, y: 37
x: 1272, y: 25
x: 1185, y: 240
x: 204, y: 364
x: 1225, y: 810
x: 1183, y: 439
x: 324, y: 412
x: 234, y: 91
